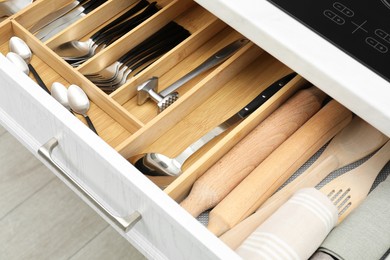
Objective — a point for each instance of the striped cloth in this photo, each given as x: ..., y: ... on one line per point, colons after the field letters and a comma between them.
x: 295, y: 230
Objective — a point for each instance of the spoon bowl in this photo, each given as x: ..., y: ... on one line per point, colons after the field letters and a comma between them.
x: 156, y: 164
x: 79, y: 103
x: 21, y: 48
x: 18, y: 61
x: 60, y: 93
x: 18, y: 46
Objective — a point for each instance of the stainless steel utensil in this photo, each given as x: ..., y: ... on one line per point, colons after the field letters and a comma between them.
x: 79, y: 103
x: 60, y: 93
x: 10, y: 7
x: 169, y: 95
x: 21, y: 48
x: 54, y: 15
x: 82, y: 50
x: 61, y: 23
x: 155, y: 164
x: 143, y: 54
x: 18, y: 61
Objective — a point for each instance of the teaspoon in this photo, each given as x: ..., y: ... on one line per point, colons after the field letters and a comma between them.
x: 18, y: 46
x: 60, y: 93
x: 18, y: 62
x: 79, y: 103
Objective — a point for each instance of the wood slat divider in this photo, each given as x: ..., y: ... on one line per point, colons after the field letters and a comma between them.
x: 90, y: 22
x: 165, y: 63
x: 106, y: 103
x: 220, y: 86
x: 180, y: 187
x: 188, y: 102
x: 37, y: 10
x: 134, y: 37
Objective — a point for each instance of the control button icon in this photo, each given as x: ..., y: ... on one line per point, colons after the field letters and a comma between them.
x: 343, y: 9
x: 376, y: 45
x: 334, y: 17
x: 382, y: 34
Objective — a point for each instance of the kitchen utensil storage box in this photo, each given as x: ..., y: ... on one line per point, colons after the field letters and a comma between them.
x: 161, y: 228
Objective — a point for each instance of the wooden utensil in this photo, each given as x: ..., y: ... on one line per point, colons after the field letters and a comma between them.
x: 261, y: 183
x: 354, y: 142
x: 350, y: 189
x: 234, y: 166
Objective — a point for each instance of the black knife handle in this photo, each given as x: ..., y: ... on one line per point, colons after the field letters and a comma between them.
x: 265, y: 95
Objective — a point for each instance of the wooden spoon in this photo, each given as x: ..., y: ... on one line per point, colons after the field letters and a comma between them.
x: 353, y: 143
x: 278, y: 167
x: 234, y: 166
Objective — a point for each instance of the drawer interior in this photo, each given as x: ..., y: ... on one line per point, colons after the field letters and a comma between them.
x: 204, y: 102
x: 134, y: 129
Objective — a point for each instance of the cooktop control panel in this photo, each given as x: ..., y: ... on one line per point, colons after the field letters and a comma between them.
x: 360, y: 28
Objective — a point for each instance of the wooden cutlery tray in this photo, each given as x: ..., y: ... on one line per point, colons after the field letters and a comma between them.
x: 204, y: 102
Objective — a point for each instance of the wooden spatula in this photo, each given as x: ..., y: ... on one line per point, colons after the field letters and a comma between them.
x: 353, y: 143
x: 351, y: 188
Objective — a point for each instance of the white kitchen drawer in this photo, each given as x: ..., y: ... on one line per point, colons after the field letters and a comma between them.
x: 165, y: 230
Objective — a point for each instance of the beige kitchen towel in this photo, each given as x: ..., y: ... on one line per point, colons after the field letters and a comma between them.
x: 295, y: 230
x: 365, y: 233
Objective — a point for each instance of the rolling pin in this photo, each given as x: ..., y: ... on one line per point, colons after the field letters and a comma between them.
x: 357, y: 140
x: 246, y: 155
x: 265, y: 179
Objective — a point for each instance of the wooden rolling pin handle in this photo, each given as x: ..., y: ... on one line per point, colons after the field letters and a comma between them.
x: 235, y: 165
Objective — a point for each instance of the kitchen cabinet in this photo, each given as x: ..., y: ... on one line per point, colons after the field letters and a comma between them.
x: 160, y: 228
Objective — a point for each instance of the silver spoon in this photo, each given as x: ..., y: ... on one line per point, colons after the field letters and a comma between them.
x: 18, y: 62
x: 79, y: 103
x: 18, y: 46
x: 60, y: 93
x: 155, y: 164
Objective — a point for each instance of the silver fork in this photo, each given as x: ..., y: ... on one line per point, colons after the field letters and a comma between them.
x: 167, y: 33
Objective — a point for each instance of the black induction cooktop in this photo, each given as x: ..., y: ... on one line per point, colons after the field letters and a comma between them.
x: 360, y: 28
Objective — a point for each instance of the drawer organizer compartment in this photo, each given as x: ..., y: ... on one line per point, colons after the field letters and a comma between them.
x: 204, y: 101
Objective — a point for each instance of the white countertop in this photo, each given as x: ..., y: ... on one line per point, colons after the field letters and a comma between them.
x: 324, y: 65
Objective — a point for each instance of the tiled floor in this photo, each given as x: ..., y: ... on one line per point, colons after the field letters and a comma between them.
x: 41, y: 218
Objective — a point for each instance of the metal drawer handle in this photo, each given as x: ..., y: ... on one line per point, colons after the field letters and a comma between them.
x: 124, y: 223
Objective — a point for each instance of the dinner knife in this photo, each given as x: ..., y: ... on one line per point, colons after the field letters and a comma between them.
x: 54, y: 16
x: 67, y: 19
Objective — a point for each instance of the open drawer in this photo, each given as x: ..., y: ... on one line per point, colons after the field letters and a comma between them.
x: 99, y: 164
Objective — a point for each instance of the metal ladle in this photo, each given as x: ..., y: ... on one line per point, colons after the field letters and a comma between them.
x: 21, y: 48
x: 79, y: 103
